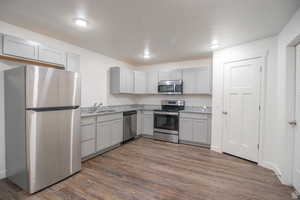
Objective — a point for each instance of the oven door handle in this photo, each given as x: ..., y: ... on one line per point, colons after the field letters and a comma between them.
x: 166, y: 113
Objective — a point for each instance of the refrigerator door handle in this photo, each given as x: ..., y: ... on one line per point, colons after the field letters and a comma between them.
x: 53, y: 108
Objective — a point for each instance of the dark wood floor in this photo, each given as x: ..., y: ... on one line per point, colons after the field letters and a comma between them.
x: 145, y: 169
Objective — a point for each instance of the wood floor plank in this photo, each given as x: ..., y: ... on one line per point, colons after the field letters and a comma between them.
x: 152, y: 170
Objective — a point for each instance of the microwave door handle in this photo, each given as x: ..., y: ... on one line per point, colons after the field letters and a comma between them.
x: 174, y: 85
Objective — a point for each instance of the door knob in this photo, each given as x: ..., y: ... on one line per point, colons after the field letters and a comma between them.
x: 225, y: 113
x: 293, y: 123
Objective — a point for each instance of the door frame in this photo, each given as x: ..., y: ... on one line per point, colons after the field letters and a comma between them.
x: 291, y: 105
x: 263, y: 58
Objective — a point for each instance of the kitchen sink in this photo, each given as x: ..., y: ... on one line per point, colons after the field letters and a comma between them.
x: 105, y: 111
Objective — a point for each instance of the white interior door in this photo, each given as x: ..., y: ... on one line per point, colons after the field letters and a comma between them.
x: 296, y: 173
x: 241, y: 108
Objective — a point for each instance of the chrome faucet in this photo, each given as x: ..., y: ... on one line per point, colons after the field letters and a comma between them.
x: 96, y: 107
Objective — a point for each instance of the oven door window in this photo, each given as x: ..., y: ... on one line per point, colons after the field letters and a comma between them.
x: 166, y: 122
x: 166, y: 88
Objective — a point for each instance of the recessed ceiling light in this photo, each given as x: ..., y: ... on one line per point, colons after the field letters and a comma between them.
x: 146, y: 54
x: 214, y: 44
x: 80, y: 22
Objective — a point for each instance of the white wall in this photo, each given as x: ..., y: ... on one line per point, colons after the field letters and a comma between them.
x: 94, y: 70
x: 191, y: 100
x: 288, y: 37
x: 270, y: 136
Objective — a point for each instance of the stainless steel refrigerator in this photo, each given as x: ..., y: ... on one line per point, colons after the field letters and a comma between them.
x: 42, y: 119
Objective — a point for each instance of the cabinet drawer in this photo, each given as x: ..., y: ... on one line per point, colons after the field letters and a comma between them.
x: 13, y: 46
x: 194, y: 115
x: 87, y: 148
x: 109, y: 117
x: 146, y: 112
x: 88, y: 132
x: 51, y: 55
x: 88, y: 120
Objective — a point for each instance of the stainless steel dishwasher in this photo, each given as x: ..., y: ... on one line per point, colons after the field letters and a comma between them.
x: 129, y: 125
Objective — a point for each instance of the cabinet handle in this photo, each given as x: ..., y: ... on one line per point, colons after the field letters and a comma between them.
x: 293, y: 123
x: 225, y: 113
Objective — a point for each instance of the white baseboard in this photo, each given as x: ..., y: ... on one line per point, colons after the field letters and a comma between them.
x: 216, y: 149
x: 275, y: 169
x: 2, y: 174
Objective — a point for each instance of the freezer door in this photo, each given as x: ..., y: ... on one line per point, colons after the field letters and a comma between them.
x: 47, y: 87
x: 53, y: 146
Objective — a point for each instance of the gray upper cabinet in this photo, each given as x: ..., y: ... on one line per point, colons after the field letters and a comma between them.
x: 152, y: 82
x: 73, y: 62
x: 121, y: 80
x: 16, y: 47
x: 125, y: 81
x: 196, y: 80
x: 51, y: 55
x: 170, y: 75
x: 140, y: 82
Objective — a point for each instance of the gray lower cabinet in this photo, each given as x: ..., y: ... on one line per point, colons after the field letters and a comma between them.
x: 195, y: 129
x: 100, y: 133
x: 139, y: 122
x: 103, y: 135
x: 117, y: 132
x: 109, y: 131
x: 88, y: 136
x: 147, y: 123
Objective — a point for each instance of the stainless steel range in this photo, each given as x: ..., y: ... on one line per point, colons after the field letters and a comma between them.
x: 166, y: 120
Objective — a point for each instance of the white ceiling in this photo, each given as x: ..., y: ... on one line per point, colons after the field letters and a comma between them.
x: 173, y: 30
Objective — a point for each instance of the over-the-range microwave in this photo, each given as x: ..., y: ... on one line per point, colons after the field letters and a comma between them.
x: 170, y: 87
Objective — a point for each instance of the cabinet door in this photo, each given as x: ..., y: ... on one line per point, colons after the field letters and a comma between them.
x: 152, y: 82
x: 103, y: 135
x: 87, y: 148
x: 51, y: 55
x: 88, y: 131
x: 139, y: 122
x: 186, y: 129
x: 73, y: 62
x: 164, y: 75
x: 189, y: 77
x: 197, y: 80
x: 13, y: 46
x: 126, y: 81
x: 148, y: 123
x: 139, y: 82
x: 130, y: 80
x: 200, y: 131
x: 176, y: 74
x: 170, y: 75
x: 117, y: 131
